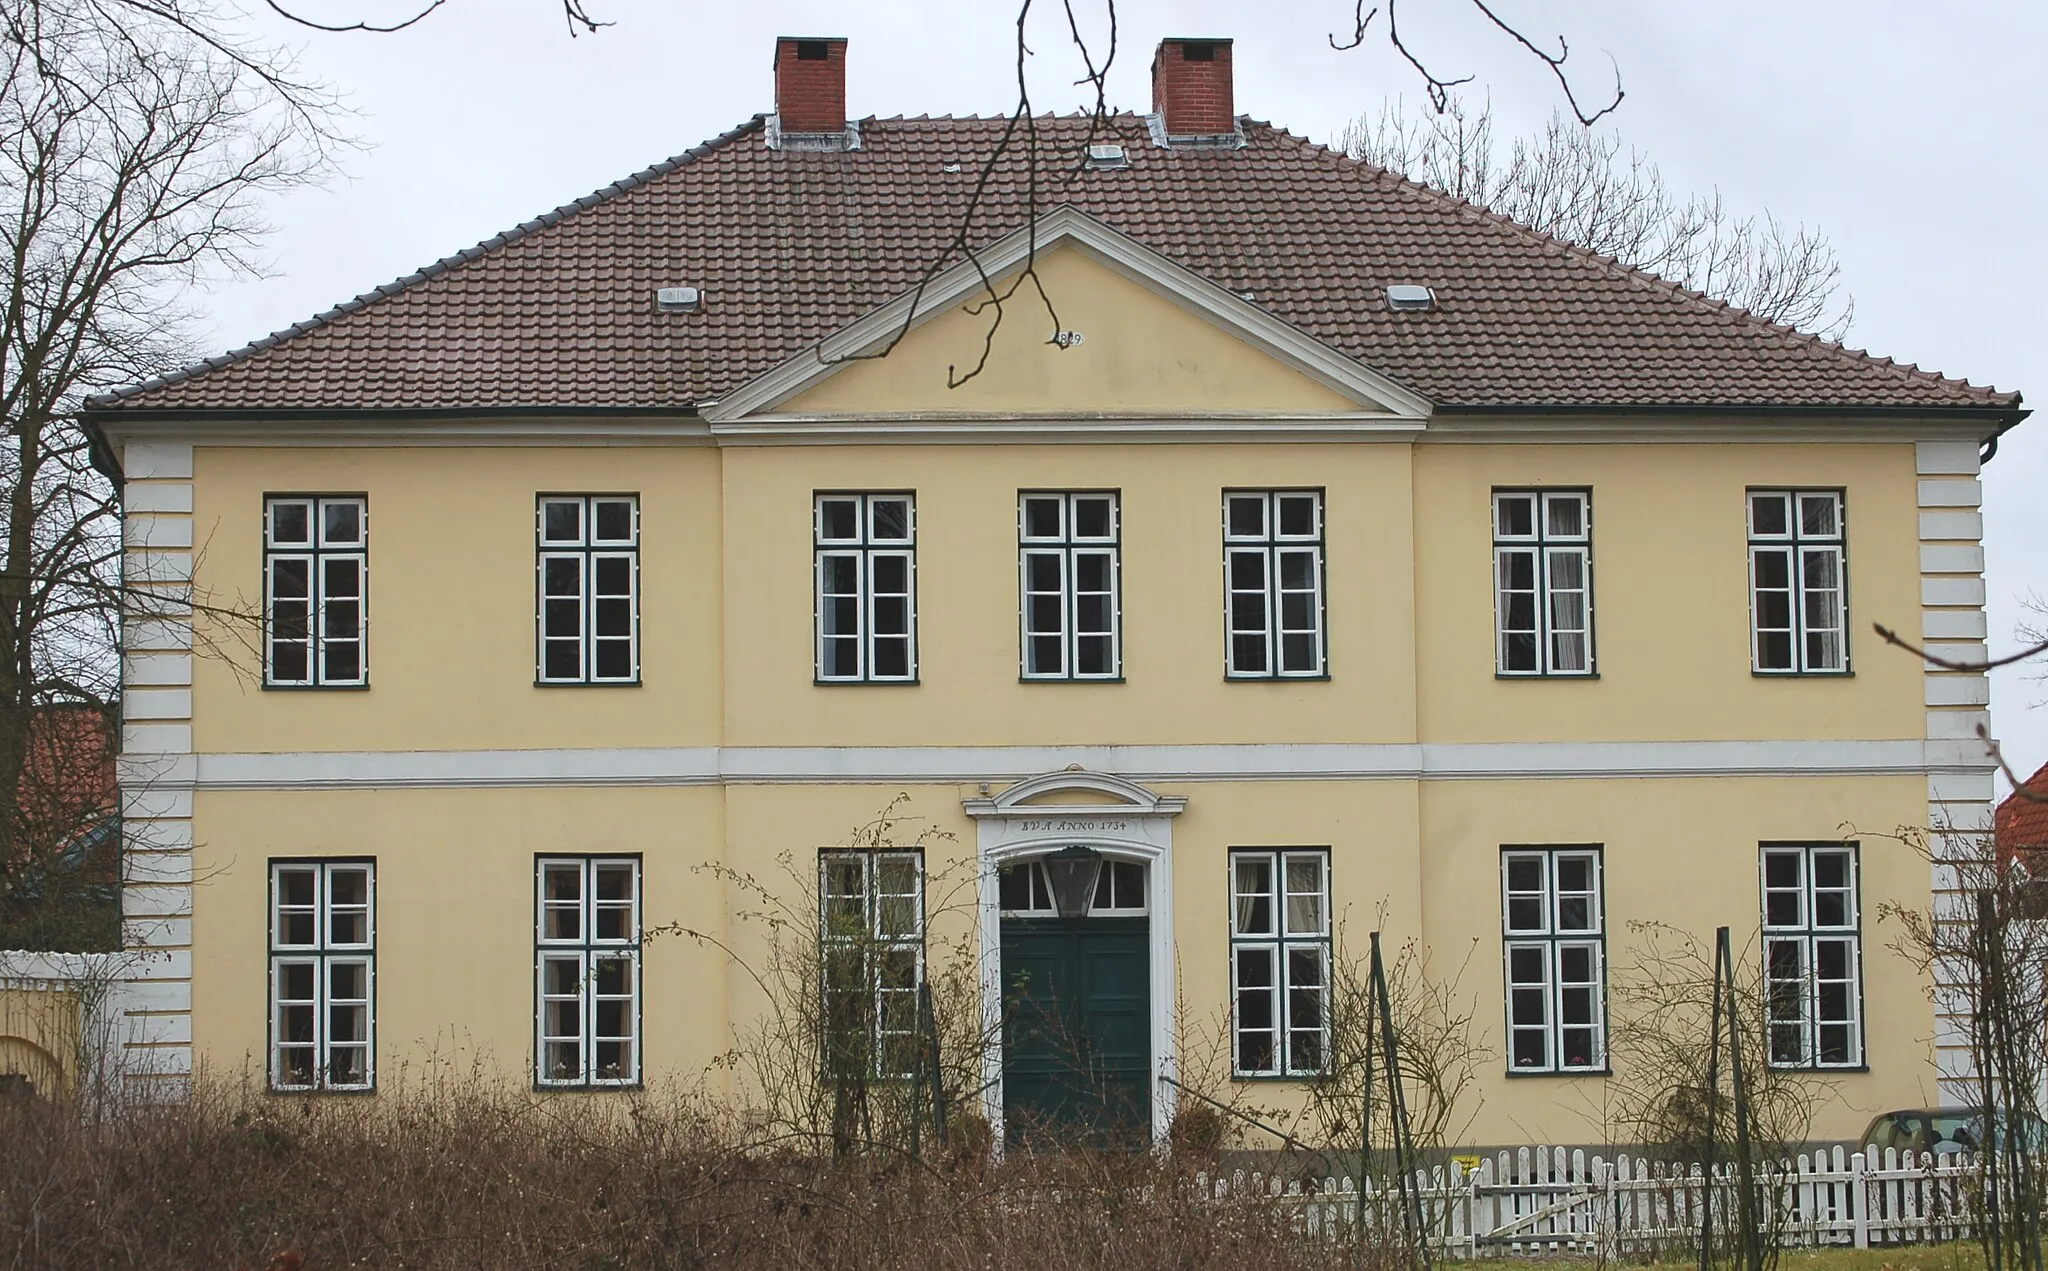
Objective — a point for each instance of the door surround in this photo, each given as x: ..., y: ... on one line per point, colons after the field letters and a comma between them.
x: 1122, y: 820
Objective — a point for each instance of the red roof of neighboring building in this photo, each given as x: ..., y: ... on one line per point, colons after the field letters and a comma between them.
x: 790, y: 246
x: 2021, y: 822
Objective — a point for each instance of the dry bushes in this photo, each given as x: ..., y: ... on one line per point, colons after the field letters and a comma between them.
x: 474, y: 1176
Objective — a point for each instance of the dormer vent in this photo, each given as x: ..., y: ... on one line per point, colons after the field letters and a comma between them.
x: 1409, y: 296
x: 679, y: 299
x: 1107, y: 154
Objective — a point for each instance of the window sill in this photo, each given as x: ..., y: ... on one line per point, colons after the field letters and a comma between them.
x: 295, y: 1092
x: 588, y: 683
x: 1756, y: 674
x: 1534, y: 1073
x: 868, y: 683
x: 1823, y: 1068
x: 1070, y: 679
x: 268, y: 687
x: 586, y: 1087
x: 1229, y: 678
x: 1546, y: 676
x: 1271, y: 1078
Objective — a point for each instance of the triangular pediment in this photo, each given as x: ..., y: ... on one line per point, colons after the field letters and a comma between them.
x: 1140, y: 338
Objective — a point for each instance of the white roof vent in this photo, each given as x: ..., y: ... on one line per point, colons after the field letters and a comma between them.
x: 1107, y: 154
x: 1409, y: 296
x: 679, y: 299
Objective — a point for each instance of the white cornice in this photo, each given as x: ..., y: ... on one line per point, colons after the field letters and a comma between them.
x: 1067, y: 226
x: 1690, y: 428
x: 809, y: 765
x: 976, y: 429
x: 524, y: 430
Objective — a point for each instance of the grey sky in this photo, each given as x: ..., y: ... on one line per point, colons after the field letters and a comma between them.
x: 1909, y: 132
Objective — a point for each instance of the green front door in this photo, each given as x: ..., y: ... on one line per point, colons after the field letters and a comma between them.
x: 1077, y: 1029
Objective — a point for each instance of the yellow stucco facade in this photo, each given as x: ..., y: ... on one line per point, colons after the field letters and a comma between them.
x: 1412, y: 761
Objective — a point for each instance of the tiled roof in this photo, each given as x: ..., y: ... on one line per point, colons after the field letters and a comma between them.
x: 2021, y: 823
x: 789, y: 246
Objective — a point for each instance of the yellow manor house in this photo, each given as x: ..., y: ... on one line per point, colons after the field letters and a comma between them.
x: 1305, y: 552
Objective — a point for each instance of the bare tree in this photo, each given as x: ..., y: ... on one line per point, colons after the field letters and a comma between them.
x: 132, y: 154
x: 1589, y: 187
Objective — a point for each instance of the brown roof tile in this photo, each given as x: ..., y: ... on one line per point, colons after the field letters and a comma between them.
x: 789, y: 246
x: 2021, y: 822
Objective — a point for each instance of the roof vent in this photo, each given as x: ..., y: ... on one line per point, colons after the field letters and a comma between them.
x: 1107, y: 154
x: 679, y: 299
x: 1408, y: 296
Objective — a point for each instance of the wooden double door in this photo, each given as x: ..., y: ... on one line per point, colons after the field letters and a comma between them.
x: 1077, y: 1031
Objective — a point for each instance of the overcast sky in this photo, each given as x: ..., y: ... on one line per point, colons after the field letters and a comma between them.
x: 1911, y: 133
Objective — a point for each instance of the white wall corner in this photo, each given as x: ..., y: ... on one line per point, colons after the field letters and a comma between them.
x: 1959, y: 526
x: 147, y: 530
x: 1958, y: 690
x: 1954, y: 624
x: 156, y: 703
x: 1951, y: 558
x: 157, y: 738
x: 1951, y: 492
x: 1954, y: 592
x: 1955, y: 725
x: 165, y: 496
x: 143, y: 460
x: 156, y: 669
x: 1945, y: 458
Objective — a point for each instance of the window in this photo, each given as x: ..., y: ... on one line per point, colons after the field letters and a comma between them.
x: 316, y: 569
x: 1070, y: 563
x: 1025, y: 891
x: 1552, y: 925
x: 1813, y: 955
x: 587, y: 958
x: 1273, y: 580
x: 323, y: 975
x: 1543, y: 581
x: 1798, y: 582
x: 1280, y: 961
x: 867, y: 587
x: 871, y: 927
x: 589, y: 578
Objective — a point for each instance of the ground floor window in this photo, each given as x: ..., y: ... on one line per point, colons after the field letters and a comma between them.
x: 871, y: 960
x: 1554, y: 947
x: 587, y: 968
x: 323, y: 974
x: 1813, y: 955
x: 1279, y: 961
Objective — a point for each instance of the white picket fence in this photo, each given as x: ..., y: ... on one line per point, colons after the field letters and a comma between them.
x: 1547, y: 1201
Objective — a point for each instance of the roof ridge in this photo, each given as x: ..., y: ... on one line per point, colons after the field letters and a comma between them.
x: 1636, y: 273
x: 548, y: 219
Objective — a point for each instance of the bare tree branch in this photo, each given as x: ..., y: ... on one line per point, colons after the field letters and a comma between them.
x: 1439, y: 88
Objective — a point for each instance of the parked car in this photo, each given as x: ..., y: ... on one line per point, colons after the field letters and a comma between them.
x: 1941, y: 1130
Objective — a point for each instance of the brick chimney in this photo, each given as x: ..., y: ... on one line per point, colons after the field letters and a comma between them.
x: 810, y: 85
x: 1191, y: 88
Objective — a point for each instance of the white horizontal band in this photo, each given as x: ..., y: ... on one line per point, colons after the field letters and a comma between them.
x: 749, y: 765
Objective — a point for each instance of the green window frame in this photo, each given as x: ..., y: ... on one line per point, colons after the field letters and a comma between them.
x: 1274, y: 606
x: 1798, y: 582
x: 316, y: 591
x: 871, y: 960
x: 323, y: 974
x: 586, y: 966
x: 1279, y: 961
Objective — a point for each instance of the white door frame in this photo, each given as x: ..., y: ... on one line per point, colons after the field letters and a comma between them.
x: 1127, y: 822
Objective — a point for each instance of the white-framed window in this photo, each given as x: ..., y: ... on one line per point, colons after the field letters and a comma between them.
x: 1813, y: 955
x: 587, y: 573
x: 871, y: 929
x: 1798, y: 582
x: 1279, y: 961
x: 866, y: 568
x: 587, y: 971
x: 323, y: 974
x: 316, y: 591
x: 1070, y: 562
x: 1025, y: 891
x: 1273, y: 584
x: 1554, y: 950
x: 1543, y: 581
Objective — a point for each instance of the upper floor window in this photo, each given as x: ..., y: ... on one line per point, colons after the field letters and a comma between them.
x: 1070, y: 561
x: 1813, y: 955
x: 871, y: 938
x: 589, y: 578
x: 1554, y: 949
x: 316, y: 569
x: 866, y: 564
x: 1279, y: 961
x: 587, y: 956
x: 323, y: 963
x: 1543, y: 581
x: 1273, y: 582
x: 1798, y: 581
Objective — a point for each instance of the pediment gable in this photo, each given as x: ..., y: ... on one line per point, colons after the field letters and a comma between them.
x: 1108, y: 329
